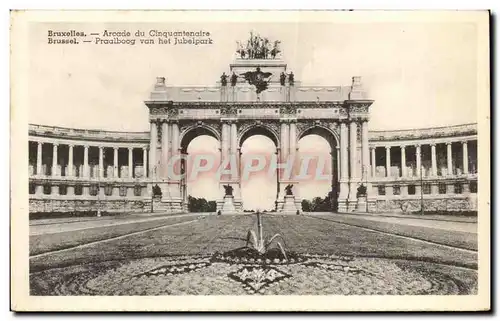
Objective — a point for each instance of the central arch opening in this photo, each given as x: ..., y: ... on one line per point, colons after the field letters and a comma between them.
x: 259, y: 188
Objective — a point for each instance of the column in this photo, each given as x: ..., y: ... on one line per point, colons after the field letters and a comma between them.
x: 116, y: 172
x: 165, y: 142
x: 344, y: 168
x: 175, y: 142
x: 152, y: 150
x: 70, y: 160
x: 86, y: 161
x: 465, y: 158
x: 225, y: 141
x: 285, y: 147
x: 144, y: 161
x: 101, y: 161
x: 365, y: 150
x: 374, y: 167
x: 403, y: 161
x: 292, y: 141
x: 225, y: 148
x: 130, y: 162
x: 343, y: 152
x: 448, y: 159
x: 353, y: 149
x: 433, y: 160
x: 54, y: 159
x: 418, y: 158
x: 175, y: 139
x: 337, y: 160
x: 39, y: 158
x: 387, y: 161
x: 234, y: 146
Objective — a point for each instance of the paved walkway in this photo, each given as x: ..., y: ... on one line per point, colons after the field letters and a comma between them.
x: 449, y: 224
x: 59, y: 225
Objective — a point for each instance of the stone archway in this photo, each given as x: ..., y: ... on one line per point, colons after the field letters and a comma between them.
x: 187, y: 135
x: 330, y: 135
x: 232, y: 110
x: 255, y: 129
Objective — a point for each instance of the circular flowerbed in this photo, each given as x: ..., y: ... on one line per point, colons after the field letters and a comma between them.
x: 233, y: 273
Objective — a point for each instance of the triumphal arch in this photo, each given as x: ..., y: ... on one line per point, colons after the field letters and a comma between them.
x: 258, y: 94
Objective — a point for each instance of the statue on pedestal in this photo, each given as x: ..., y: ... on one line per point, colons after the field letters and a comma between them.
x: 223, y: 79
x: 157, y: 191
x: 282, y: 79
x: 291, y: 79
x: 228, y: 190
x: 361, y: 191
x: 288, y: 189
x: 234, y: 79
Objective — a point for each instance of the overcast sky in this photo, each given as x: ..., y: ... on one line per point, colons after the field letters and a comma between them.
x: 419, y: 74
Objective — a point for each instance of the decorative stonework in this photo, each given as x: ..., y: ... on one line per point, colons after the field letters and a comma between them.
x: 271, y: 125
x: 305, y: 125
x: 215, y: 127
x: 172, y: 112
x: 288, y: 109
x: 229, y: 111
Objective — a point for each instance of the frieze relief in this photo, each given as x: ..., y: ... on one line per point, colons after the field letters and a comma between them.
x: 229, y: 110
x: 288, y: 110
x: 158, y: 110
x: 358, y: 108
x: 252, y: 105
x: 172, y: 112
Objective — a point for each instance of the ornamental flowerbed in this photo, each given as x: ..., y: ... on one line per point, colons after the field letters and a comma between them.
x: 205, y: 275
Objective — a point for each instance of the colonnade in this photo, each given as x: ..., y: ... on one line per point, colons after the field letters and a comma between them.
x: 70, y: 173
x: 418, y: 158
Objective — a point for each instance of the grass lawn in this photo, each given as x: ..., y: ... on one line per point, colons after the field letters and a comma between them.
x: 459, y: 239
x: 51, y: 242
x: 221, y: 233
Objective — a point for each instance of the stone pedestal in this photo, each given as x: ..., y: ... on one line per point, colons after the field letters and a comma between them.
x: 228, y: 205
x: 361, y: 204
x: 289, y: 206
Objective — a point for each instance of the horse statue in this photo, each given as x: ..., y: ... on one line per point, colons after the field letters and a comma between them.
x: 276, y: 49
x: 240, y: 50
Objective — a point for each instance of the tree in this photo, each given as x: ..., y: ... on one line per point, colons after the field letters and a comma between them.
x: 318, y: 204
x: 306, y: 206
x: 201, y: 205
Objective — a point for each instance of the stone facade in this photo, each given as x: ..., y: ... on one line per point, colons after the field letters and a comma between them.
x: 72, y: 169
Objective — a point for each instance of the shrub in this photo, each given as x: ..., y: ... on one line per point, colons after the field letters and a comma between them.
x: 201, y: 205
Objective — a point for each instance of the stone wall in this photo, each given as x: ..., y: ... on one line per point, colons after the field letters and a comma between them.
x: 466, y: 203
x: 112, y: 206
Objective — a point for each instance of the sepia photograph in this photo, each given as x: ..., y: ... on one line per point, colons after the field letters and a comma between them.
x: 245, y: 160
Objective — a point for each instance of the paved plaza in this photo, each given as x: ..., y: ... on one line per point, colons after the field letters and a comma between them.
x: 200, y: 253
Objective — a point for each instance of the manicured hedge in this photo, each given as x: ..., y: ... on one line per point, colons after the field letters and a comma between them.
x: 44, y: 215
